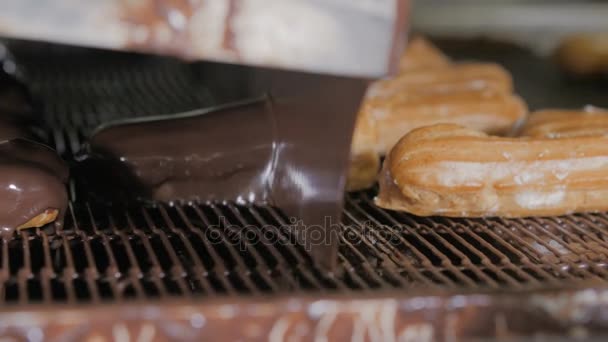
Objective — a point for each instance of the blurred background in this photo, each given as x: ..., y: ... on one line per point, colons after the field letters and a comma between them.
x: 538, y: 24
x: 557, y: 50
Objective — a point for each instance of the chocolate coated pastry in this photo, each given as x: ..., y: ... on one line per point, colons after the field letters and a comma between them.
x: 192, y: 156
x: 450, y: 170
x: 33, y: 181
x: 17, y: 119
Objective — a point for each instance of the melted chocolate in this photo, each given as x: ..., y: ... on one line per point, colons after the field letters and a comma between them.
x: 187, y: 157
x: 289, y: 149
x: 32, y: 179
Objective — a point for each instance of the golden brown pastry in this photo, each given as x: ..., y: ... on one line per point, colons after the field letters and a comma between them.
x: 46, y: 217
x: 555, y: 123
x: 430, y: 90
x: 486, y: 110
x: 584, y: 54
x: 364, y: 160
x: 454, y: 171
x: 420, y: 53
x: 455, y: 77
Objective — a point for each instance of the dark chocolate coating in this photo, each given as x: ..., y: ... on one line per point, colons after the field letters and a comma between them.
x: 32, y: 180
x: 185, y: 157
x: 289, y: 149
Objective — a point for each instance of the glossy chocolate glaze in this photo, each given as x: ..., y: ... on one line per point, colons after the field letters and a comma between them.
x: 288, y: 149
x: 201, y: 155
x: 32, y: 179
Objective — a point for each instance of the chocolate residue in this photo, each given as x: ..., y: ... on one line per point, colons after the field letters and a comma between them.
x: 160, y: 25
x: 32, y: 179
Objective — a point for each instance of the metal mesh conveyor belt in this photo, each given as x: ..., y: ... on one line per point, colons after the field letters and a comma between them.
x: 115, y: 253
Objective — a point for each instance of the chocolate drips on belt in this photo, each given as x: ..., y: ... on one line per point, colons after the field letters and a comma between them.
x: 32, y: 180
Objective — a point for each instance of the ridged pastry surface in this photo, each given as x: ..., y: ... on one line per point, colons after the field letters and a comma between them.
x: 487, y: 110
x: 428, y: 90
x: 450, y: 170
x: 364, y: 159
x: 442, y: 79
x: 555, y: 123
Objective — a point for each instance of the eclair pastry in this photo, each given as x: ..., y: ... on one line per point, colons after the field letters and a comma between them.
x: 487, y: 110
x: 364, y: 160
x: 447, y: 78
x: 555, y: 123
x: 450, y: 170
x: 476, y: 95
x: 420, y: 54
